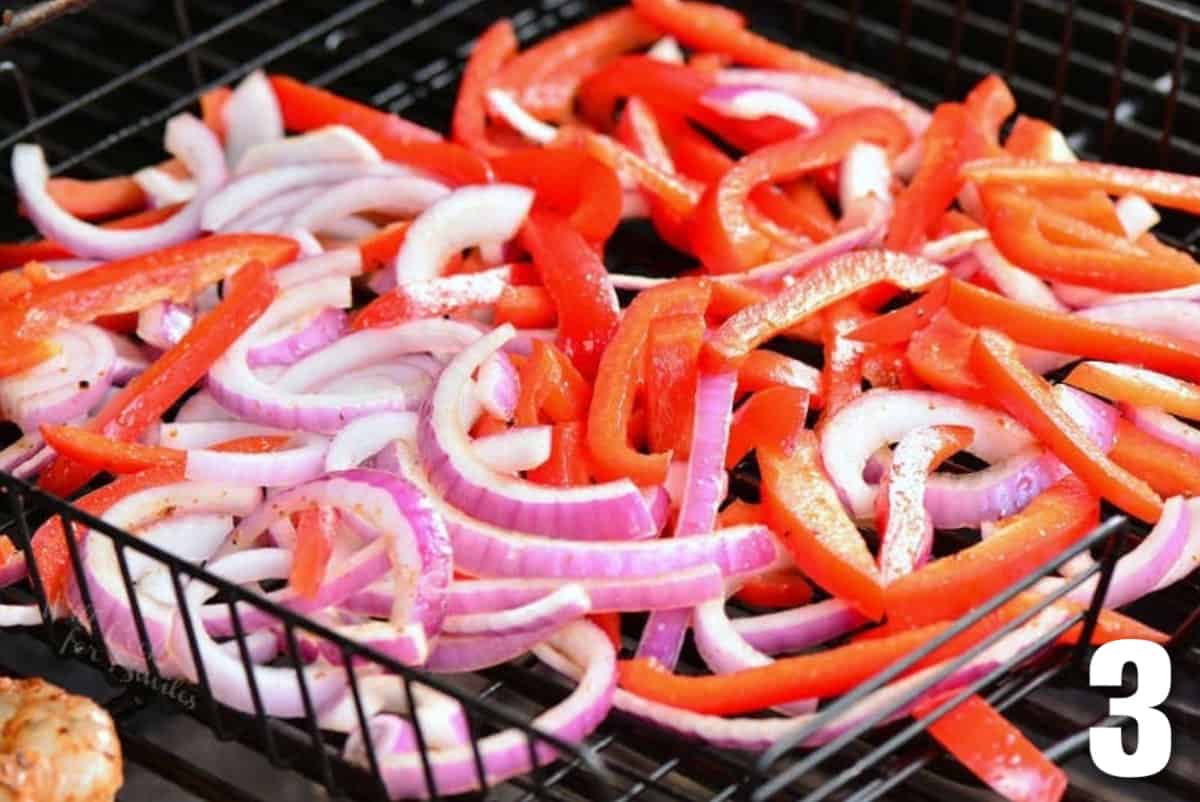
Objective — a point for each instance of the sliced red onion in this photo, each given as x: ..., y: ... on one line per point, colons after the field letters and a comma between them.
x: 350, y: 228
x: 262, y: 647
x: 406, y: 644
x: 309, y: 245
x: 130, y: 359
x: 252, y: 117
x: 338, y: 262
x: 455, y: 655
x: 551, y: 611
x: 498, y: 386
x: 389, y: 735
x: 443, y: 723
x: 511, y: 452
x: 302, y: 461
x: 756, y: 102
x: 1164, y: 426
x: 704, y: 489
x: 865, y: 174
x: 365, y: 437
x: 287, y: 404
x: 250, y: 566
x: 64, y: 387
x: 953, y: 247
x: 299, y: 338
x: 1189, y: 559
x: 20, y: 615
x: 162, y: 188
x: 610, y: 511
x: 333, y: 143
x: 666, y: 49
x: 905, y: 498
x: 20, y: 450
x: 799, y: 628
x: 35, y: 464
x: 1137, y: 216
x: 509, y: 752
x: 832, y: 94
x: 881, y: 417
x: 1167, y: 316
x: 187, y: 138
x: 464, y: 218
x: 1000, y: 490
x: 503, y: 105
x: 1014, y: 282
x: 202, y: 434
x: 163, y: 324
x: 193, y: 537
x: 272, y: 214
x: 809, y: 258
x: 201, y: 407
x: 402, y: 196
x: 1077, y: 296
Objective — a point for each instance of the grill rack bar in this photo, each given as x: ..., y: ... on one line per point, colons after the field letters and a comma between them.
x: 961, y: 19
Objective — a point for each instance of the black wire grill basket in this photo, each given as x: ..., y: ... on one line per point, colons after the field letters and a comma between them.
x: 94, y: 82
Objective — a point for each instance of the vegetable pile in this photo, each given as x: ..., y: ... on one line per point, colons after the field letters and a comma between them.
x: 509, y: 446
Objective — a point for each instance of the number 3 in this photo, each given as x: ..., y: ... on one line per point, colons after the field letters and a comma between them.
x: 1153, y: 729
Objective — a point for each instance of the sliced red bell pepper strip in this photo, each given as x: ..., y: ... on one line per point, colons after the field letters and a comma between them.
x: 106, y: 454
x: 433, y: 298
x: 638, y: 130
x: 887, y: 366
x: 212, y: 109
x: 618, y: 379
x: 671, y: 88
x: 762, y: 369
x: 526, y: 308
x: 99, y: 198
x: 899, y: 326
x: 470, y: 121
x: 1090, y: 206
x: 841, y: 373
x: 949, y: 587
x: 567, y: 465
x: 698, y: 26
x: 1028, y: 398
x: 812, y: 292
x: 769, y: 417
x: 950, y: 141
x: 1031, y: 138
x: 1042, y: 328
x: 569, y: 182
x: 306, y: 108
x: 1168, y: 469
x: 1056, y: 246
x: 994, y: 750
x: 127, y: 285
x: 1137, y: 386
x: 940, y: 355
x: 488, y: 424
x: 722, y: 235
x: 579, y: 284
x: 315, y: 530
x: 989, y: 103
x: 1173, y: 190
x: 804, y: 509
x: 379, y: 249
x: 812, y: 216
x: 906, y: 531
x: 610, y: 623
x: 776, y: 590
x: 741, y: 512
x: 545, y: 77
x: 672, y: 354
x: 552, y: 385
x: 144, y: 400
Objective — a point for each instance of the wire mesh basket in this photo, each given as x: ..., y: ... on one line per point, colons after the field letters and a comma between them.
x: 94, y: 89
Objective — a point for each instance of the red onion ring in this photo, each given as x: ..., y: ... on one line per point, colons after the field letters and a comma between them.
x: 162, y: 188
x: 504, y: 106
x: 252, y: 117
x: 402, y: 196
x: 186, y: 138
x: 519, y: 449
x: 1168, y: 316
x: 163, y: 324
x: 302, y: 461
x: 1015, y: 283
x: 365, y: 437
x: 558, y: 607
x: 809, y: 258
x: 443, y: 722
x: 953, y: 247
x: 338, y: 262
x: 1164, y: 426
x: 64, y: 387
x: 333, y: 143
x: 1076, y: 296
x: 864, y: 182
x: 1137, y: 216
x: 299, y: 338
x: 756, y: 102
x: 499, y: 386
x: 799, y: 628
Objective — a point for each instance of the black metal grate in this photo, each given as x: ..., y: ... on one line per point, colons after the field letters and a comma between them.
x: 95, y: 87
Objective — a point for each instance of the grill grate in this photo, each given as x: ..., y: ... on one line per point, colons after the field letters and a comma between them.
x: 1117, y: 76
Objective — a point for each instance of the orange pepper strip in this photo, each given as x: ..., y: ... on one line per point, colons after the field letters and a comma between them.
x: 469, y: 124
x: 608, y: 427
x: 989, y: 103
x: 1137, y: 386
x: 952, y: 586
x: 1028, y: 398
x: 812, y: 292
x: 1042, y: 328
x: 804, y: 508
x: 1173, y: 190
x: 1168, y: 469
x: 315, y: 530
x: 770, y: 417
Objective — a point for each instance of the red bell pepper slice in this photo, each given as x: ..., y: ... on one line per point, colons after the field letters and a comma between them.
x: 552, y: 385
x: 545, y: 77
x: 144, y: 400
x: 618, y: 379
x: 906, y: 531
x: 579, y: 284
x: 950, y: 141
x: 568, y: 182
x: 762, y: 369
x: 841, y: 373
x: 698, y: 26
x: 995, y: 751
x: 127, y: 285
x: 469, y: 124
x: 806, y: 212
x: 526, y: 308
x: 380, y: 249
x: 952, y: 586
x: 106, y: 454
x: 306, y: 108
x: 315, y: 530
x: 812, y: 292
x: 670, y: 88
x: 722, y: 235
x: 804, y: 508
x: 1028, y: 398
x: 1031, y: 138
x: 769, y: 417
x: 99, y: 198
x: 672, y: 355
x: 989, y: 103
x: 1168, y: 469
x: 1042, y: 328
x: 740, y: 512
x: 639, y: 131
x: 899, y: 326
x: 433, y: 298
x: 940, y: 355
x: 610, y: 624
x: 1173, y: 190
x: 1137, y: 386
x: 775, y: 590
x: 887, y: 366
x: 567, y: 465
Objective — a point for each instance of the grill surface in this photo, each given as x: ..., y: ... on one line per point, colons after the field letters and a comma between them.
x: 95, y: 87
